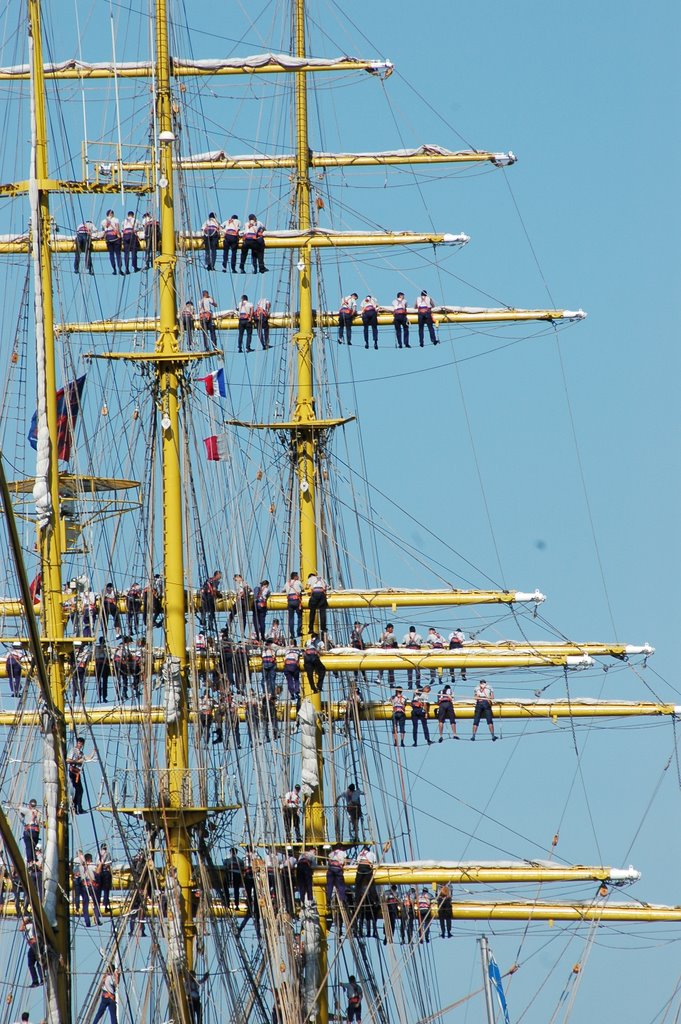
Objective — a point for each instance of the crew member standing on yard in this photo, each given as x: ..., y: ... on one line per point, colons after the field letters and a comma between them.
x: 131, y: 242
x: 369, y: 311
x: 110, y: 981
x: 262, y: 321
x: 292, y: 813
x: 294, y: 602
x: 444, y: 910
x: 315, y: 669
x: 307, y: 862
x: 484, y: 698
x: 261, y: 596
x: 230, y: 245
x: 346, y: 312
x: 253, y: 241
x: 245, y: 315
x: 206, y: 306
x: 419, y: 705
x: 413, y: 641
x: 112, y: 235
x: 84, y: 233
x: 399, y: 704
x: 334, y: 875
x: 445, y: 711
x: 292, y: 673
x: 400, y: 320
x: 456, y: 639
x: 355, y: 995
x: 211, y: 237
x: 318, y: 602
x: 210, y: 592
x: 424, y: 307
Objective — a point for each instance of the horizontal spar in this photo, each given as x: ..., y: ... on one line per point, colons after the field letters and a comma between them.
x: 229, y: 320
x: 500, y: 910
x: 379, y: 711
x: 260, y: 63
x: 361, y: 599
x: 314, y: 239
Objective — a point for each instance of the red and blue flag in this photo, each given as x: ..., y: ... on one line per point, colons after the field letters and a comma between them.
x: 68, y: 405
x: 215, y: 383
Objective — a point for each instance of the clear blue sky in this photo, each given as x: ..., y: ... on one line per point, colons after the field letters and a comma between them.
x: 482, y: 451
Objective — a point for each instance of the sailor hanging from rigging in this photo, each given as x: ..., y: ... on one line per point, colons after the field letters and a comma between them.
x: 33, y: 958
x: 193, y: 988
x: 84, y: 235
x: 424, y: 308
x: 76, y: 761
x: 187, y: 316
x: 399, y: 716
x: 261, y: 596
x: 206, y: 306
x: 211, y: 236
x: 346, y: 313
x: 14, y: 666
x: 111, y: 227
x: 245, y: 313
x: 400, y: 321
x: 242, y: 603
x: 307, y: 862
x: 484, y: 698
x: 353, y: 807
x: 369, y: 313
x: 292, y: 813
x: 269, y: 668
x: 230, y: 234
x: 131, y: 242
x: 355, y: 996
x: 110, y: 982
x: 210, y: 592
x: 152, y: 238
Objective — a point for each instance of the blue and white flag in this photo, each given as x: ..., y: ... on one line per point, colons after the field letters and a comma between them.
x: 495, y: 978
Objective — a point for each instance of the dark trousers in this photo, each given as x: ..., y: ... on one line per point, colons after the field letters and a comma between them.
x: 114, y: 247
x: 187, y: 323
x: 304, y: 880
x: 208, y: 328
x: 230, y: 245
x: 245, y: 327
x: 14, y: 675
x: 262, y: 326
x: 345, y: 324
x: 106, y: 1004
x: 416, y: 717
x: 295, y: 615
x: 259, y: 622
x: 334, y: 880
x: 402, y: 330
x: 34, y: 966
x: 30, y: 840
x: 152, y: 239
x: 250, y: 245
x: 84, y: 246
x: 292, y: 677
x: 426, y: 318
x: 370, y: 320
x: 318, y: 603
x: 210, y: 244
x: 292, y: 820
x: 315, y: 671
x: 131, y: 245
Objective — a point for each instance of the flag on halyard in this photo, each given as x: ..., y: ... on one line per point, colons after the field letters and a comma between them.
x: 216, y: 448
x: 215, y: 383
x: 68, y: 404
x: 495, y: 978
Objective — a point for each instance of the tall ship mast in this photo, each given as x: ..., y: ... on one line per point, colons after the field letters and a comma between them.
x: 213, y: 784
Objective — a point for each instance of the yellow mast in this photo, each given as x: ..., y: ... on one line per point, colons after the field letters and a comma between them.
x: 49, y: 541
x: 169, y: 370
